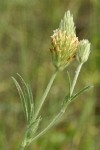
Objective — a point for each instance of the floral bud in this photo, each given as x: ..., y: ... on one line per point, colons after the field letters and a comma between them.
x: 83, y: 51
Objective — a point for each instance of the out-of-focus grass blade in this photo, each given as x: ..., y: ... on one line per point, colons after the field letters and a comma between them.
x: 28, y: 97
x: 81, y: 91
x: 22, y: 97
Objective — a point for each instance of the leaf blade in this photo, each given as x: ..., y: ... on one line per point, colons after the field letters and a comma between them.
x: 22, y: 97
x: 81, y: 91
x: 28, y: 97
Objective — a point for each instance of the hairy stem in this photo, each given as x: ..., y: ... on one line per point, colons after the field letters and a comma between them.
x: 48, y: 127
x: 24, y: 142
x: 22, y: 148
x: 76, y: 77
x: 45, y: 94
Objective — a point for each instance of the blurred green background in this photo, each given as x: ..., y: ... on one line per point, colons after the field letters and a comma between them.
x: 25, y: 30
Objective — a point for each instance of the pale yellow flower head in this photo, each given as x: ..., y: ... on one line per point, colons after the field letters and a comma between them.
x: 64, y: 43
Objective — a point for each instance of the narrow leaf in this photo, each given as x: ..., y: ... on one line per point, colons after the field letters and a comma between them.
x: 21, y: 94
x: 81, y: 91
x: 28, y: 98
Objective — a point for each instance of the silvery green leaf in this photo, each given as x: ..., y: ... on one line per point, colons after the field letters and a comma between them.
x: 81, y: 91
x: 22, y: 97
x: 28, y: 98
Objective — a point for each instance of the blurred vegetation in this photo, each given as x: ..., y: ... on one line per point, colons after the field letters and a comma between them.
x: 25, y: 30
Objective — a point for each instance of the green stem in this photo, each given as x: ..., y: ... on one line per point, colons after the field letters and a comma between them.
x: 45, y: 94
x: 59, y: 115
x: 56, y: 118
x: 48, y: 127
x: 24, y: 141
x: 76, y: 77
x: 22, y: 148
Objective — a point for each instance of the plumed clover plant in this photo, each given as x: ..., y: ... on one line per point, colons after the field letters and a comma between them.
x: 65, y: 47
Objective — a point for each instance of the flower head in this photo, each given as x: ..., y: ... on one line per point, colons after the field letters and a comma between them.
x: 64, y: 42
x: 83, y: 51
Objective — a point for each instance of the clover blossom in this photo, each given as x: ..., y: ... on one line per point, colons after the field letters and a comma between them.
x: 64, y: 42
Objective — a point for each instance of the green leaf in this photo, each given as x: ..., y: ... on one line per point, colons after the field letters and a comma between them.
x: 28, y: 98
x: 81, y: 91
x: 22, y: 97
